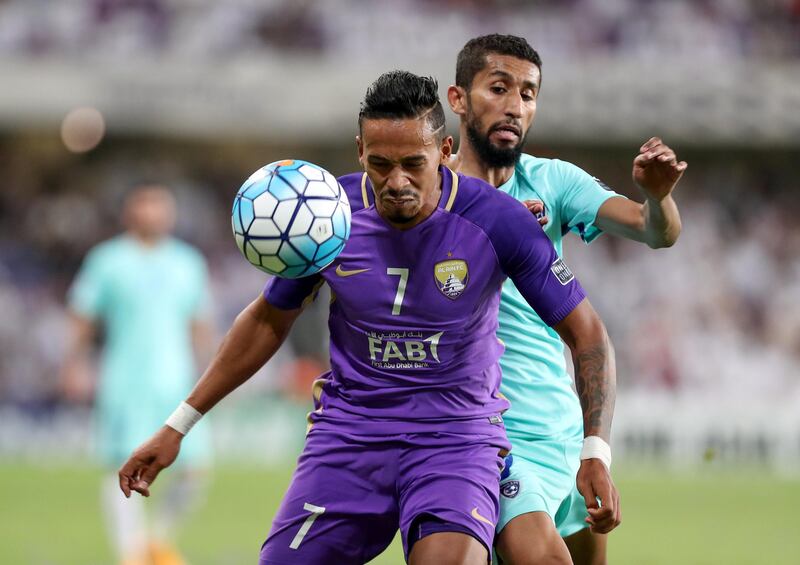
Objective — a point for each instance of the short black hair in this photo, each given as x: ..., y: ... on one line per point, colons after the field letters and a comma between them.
x: 472, y: 57
x: 143, y: 184
x: 139, y: 186
x: 401, y: 94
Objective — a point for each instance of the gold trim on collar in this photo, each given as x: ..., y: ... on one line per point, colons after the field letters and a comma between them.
x: 364, y: 196
x: 453, y: 190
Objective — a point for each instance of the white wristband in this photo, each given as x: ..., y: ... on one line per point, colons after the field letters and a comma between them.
x: 183, y: 418
x: 595, y: 447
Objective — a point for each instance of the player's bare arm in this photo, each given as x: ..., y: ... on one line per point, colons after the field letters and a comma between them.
x: 656, y: 172
x: 255, y: 336
x: 202, y: 340
x: 595, y: 380
x: 75, y: 379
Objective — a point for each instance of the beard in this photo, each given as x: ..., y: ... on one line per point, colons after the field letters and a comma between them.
x: 489, y: 153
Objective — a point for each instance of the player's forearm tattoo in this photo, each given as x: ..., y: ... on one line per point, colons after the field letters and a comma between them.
x: 596, y: 385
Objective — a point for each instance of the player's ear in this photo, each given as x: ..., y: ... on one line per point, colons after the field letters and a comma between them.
x: 457, y: 98
x: 446, y: 150
x: 360, y: 145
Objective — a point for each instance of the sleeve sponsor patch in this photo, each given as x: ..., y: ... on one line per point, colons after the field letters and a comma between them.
x: 603, y: 185
x: 561, y: 271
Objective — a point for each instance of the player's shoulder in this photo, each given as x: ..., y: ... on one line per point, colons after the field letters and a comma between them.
x: 185, y: 256
x: 504, y: 220
x: 107, y: 257
x: 481, y: 203
x: 183, y: 248
x: 354, y: 185
x: 351, y: 181
x: 553, y: 179
x: 532, y: 166
x: 108, y: 250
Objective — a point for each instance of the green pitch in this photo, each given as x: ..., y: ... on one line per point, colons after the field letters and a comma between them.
x: 50, y: 517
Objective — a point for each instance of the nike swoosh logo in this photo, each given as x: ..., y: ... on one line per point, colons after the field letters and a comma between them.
x: 481, y: 518
x: 342, y: 273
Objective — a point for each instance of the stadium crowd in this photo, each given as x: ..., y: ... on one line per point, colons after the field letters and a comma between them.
x: 678, y: 29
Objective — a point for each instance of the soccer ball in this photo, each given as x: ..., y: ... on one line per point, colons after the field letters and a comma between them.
x: 291, y: 218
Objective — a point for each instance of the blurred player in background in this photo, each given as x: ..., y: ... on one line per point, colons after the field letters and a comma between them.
x: 498, y: 78
x: 148, y: 292
x: 407, y: 428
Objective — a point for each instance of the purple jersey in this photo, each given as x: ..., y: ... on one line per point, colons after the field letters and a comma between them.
x: 414, y: 312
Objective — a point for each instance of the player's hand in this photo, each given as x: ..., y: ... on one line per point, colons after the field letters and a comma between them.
x: 656, y: 169
x: 536, y: 207
x: 594, y: 482
x: 142, y: 468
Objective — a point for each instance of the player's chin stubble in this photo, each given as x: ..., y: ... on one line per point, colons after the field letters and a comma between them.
x: 401, y: 214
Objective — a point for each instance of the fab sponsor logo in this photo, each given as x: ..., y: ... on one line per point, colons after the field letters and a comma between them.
x: 403, y: 349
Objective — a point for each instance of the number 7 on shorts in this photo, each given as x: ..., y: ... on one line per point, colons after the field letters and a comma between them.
x: 316, y: 512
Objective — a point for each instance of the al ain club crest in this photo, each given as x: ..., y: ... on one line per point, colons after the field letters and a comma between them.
x: 451, y: 277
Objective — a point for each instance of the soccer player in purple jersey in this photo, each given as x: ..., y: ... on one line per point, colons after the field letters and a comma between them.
x: 407, y: 429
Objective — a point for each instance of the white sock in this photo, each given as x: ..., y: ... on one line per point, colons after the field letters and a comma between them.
x: 125, y: 520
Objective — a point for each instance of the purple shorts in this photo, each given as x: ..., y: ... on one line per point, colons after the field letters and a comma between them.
x: 350, y: 493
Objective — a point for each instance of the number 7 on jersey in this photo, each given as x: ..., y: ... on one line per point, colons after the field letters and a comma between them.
x: 401, y: 288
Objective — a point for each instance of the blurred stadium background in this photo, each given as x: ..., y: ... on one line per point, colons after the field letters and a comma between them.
x: 95, y: 94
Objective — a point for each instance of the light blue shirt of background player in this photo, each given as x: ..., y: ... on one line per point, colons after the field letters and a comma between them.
x: 149, y: 293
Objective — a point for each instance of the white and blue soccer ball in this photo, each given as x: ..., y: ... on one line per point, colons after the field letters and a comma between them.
x: 291, y: 218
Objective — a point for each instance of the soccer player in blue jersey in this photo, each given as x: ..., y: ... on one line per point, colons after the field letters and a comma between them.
x: 148, y: 292
x: 498, y: 78
x: 407, y: 429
